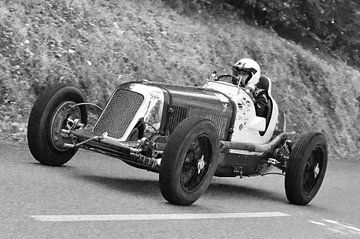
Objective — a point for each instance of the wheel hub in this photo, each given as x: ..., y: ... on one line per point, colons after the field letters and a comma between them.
x: 61, y: 119
x: 316, y: 170
x: 201, y: 164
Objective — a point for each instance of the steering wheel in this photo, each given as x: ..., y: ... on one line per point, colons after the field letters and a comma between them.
x: 232, y: 78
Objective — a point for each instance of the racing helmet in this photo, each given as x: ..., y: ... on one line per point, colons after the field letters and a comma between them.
x: 247, y: 72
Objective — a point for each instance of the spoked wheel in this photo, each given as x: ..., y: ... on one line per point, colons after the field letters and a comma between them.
x: 54, y: 110
x: 306, y: 168
x: 189, y: 161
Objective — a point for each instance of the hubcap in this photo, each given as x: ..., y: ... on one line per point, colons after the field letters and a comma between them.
x: 201, y: 164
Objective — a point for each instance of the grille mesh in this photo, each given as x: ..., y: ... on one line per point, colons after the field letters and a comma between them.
x: 180, y: 113
x: 220, y: 121
x: 119, y: 113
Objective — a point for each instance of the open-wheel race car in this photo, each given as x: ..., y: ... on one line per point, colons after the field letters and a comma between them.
x: 186, y: 134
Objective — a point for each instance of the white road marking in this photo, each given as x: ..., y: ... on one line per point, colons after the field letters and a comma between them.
x: 136, y: 217
x: 331, y: 221
x: 337, y: 230
x: 342, y: 225
x: 317, y: 223
x: 337, y: 227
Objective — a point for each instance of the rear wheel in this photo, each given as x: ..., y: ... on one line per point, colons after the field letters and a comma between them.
x: 306, y: 168
x: 189, y: 161
x: 48, y: 117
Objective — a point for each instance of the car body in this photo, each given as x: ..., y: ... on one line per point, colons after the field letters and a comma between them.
x: 187, y: 134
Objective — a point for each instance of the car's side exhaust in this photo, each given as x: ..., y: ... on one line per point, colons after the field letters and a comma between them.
x: 264, y: 148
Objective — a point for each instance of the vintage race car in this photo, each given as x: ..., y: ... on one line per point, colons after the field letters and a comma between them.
x: 186, y: 134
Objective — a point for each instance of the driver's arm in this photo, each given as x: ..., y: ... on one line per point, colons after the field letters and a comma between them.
x: 260, y: 103
x: 250, y: 89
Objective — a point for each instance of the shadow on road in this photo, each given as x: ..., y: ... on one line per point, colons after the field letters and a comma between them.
x: 148, y: 188
x: 241, y: 192
x: 252, y: 194
x: 64, y: 167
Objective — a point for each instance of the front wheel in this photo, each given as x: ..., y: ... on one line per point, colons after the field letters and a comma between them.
x: 306, y: 168
x: 50, y: 114
x: 189, y: 161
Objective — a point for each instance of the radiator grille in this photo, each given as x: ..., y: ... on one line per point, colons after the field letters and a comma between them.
x: 177, y: 115
x: 219, y: 120
x: 180, y: 113
x: 119, y: 113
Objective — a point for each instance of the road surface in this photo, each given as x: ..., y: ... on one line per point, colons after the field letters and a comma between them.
x: 95, y: 196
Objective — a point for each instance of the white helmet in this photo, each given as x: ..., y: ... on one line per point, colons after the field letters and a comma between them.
x: 250, y: 67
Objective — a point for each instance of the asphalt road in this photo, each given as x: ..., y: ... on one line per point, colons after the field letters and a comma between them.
x: 95, y: 196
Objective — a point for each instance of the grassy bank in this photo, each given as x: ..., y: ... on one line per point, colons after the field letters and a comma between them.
x: 99, y: 44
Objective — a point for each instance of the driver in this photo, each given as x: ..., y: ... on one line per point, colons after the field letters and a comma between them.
x: 247, y: 74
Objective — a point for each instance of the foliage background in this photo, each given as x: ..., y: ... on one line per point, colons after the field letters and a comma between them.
x: 326, y: 26
x: 98, y: 44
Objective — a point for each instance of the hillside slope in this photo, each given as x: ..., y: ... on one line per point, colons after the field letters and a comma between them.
x: 99, y: 44
x: 331, y: 27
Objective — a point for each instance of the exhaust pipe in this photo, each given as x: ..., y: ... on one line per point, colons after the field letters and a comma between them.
x: 264, y: 148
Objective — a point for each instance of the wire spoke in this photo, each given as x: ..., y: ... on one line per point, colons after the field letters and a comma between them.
x: 196, y: 163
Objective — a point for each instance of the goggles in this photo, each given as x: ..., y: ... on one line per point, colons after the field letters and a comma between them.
x: 238, y: 73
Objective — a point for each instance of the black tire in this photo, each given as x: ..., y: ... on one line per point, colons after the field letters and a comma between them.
x: 306, y: 168
x: 189, y: 161
x: 41, y: 125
